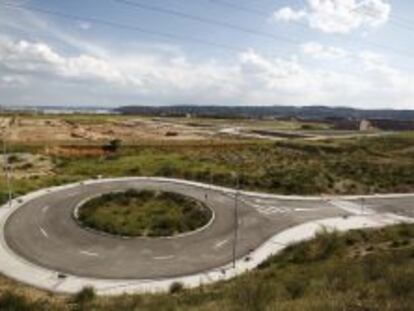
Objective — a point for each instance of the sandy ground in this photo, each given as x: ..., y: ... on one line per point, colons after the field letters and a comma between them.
x: 26, y: 165
x: 71, y: 130
x: 81, y: 129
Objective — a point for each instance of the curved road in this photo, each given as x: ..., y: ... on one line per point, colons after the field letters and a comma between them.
x: 43, y: 232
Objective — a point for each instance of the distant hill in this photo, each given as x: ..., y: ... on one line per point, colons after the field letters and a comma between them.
x: 272, y: 112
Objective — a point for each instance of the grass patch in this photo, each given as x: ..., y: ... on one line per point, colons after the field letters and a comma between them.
x: 144, y: 213
x: 358, y: 166
x: 347, y: 166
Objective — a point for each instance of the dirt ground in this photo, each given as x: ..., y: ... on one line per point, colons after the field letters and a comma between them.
x: 26, y: 165
x: 72, y: 130
x: 52, y: 130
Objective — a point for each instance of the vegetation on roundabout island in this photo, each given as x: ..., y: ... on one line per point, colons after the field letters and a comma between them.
x: 144, y: 213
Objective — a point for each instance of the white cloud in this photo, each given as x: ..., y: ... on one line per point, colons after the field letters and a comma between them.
x: 12, y: 80
x: 338, y: 16
x: 28, y: 25
x: 159, y: 75
x: 37, y: 73
x: 84, y: 25
x: 38, y: 58
x: 287, y: 14
x: 365, y: 60
x: 320, y: 51
x: 59, y: 67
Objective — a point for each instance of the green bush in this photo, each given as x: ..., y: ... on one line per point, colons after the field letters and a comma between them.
x: 84, y: 296
x: 176, y: 287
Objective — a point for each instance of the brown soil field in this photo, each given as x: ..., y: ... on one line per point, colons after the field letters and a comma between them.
x: 51, y: 129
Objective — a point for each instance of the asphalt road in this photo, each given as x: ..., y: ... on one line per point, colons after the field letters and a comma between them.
x: 44, y: 232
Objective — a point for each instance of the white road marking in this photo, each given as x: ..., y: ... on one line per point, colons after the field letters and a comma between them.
x: 264, y: 209
x: 44, y: 232
x: 269, y: 210
x: 89, y: 253
x: 355, y: 208
x: 44, y: 209
x: 72, y: 194
x: 164, y: 257
x: 221, y: 243
x: 305, y: 209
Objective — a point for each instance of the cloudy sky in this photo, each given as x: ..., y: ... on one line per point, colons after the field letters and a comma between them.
x: 356, y: 53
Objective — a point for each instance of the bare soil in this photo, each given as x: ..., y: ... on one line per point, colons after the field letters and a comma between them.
x: 49, y: 130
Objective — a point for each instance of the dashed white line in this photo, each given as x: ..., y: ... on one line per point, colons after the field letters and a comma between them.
x: 221, y: 243
x: 89, y: 253
x: 44, y: 209
x: 269, y: 210
x: 164, y: 257
x: 44, y: 232
x: 306, y: 209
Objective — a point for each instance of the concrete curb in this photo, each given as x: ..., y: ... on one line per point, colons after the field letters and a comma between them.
x: 252, y: 193
x: 20, y: 269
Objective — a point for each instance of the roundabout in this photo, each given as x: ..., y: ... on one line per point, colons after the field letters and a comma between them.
x: 44, y: 245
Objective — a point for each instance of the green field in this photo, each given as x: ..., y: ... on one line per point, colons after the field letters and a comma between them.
x: 335, y: 166
x: 359, y: 270
x: 144, y: 213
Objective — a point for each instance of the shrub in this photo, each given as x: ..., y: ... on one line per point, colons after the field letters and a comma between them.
x: 176, y: 287
x: 12, y: 302
x: 295, y: 287
x: 26, y: 166
x: 327, y: 244
x: 112, y: 146
x: 86, y: 295
x: 401, y: 283
x: 14, y: 159
x: 374, y: 268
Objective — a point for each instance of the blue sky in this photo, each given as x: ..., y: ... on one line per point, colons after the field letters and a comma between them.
x: 311, y: 52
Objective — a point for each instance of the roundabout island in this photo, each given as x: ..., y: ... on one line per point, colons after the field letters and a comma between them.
x: 143, y: 213
x: 132, y: 235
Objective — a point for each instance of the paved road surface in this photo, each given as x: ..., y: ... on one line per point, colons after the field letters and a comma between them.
x: 43, y: 231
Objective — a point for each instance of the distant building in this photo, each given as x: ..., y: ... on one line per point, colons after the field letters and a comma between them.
x: 366, y: 125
